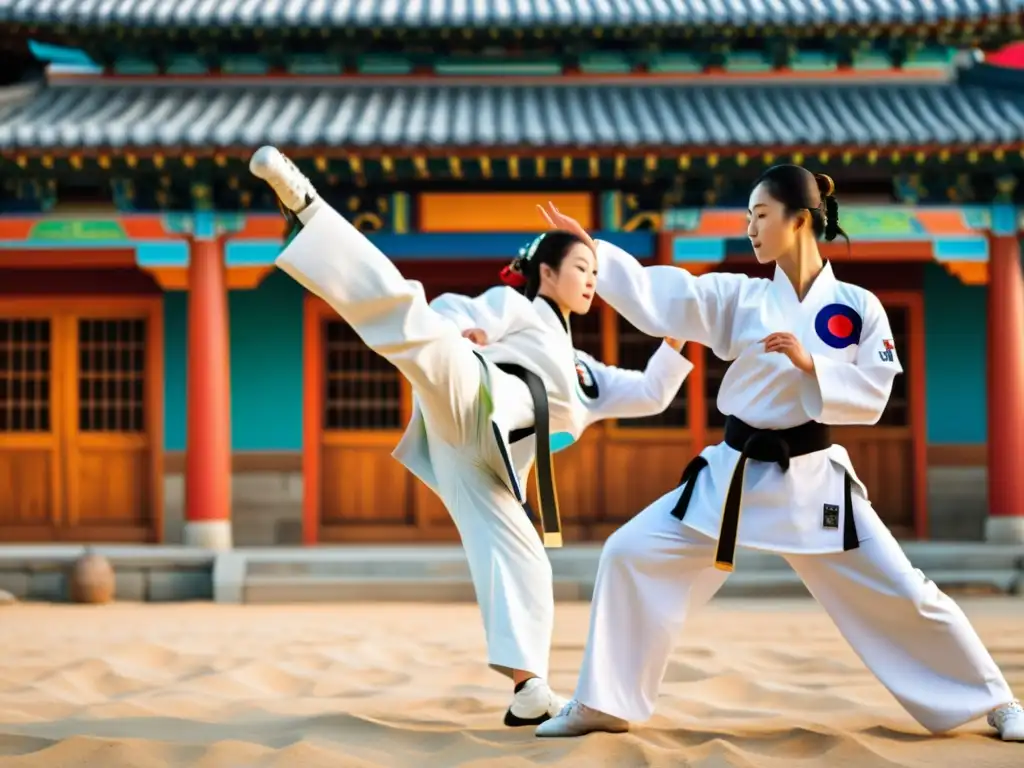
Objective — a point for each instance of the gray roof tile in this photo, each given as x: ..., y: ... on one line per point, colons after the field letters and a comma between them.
x: 61, y: 117
x: 461, y: 13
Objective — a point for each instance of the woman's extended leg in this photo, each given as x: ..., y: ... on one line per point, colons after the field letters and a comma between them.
x: 335, y: 261
x: 914, y: 638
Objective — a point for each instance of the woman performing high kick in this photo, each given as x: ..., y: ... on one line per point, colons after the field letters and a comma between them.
x: 492, y: 378
x: 808, y: 351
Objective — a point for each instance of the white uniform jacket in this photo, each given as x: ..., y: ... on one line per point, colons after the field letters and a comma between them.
x: 846, y: 332
x: 581, y: 390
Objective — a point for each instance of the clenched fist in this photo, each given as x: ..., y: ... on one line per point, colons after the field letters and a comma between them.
x: 475, y: 335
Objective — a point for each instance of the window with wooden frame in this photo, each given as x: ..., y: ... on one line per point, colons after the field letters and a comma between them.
x: 111, y: 375
x: 633, y: 351
x: 362, y: 390
x: 25, y: 375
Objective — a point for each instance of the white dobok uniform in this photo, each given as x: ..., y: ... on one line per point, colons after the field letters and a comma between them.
x: 657, y: 568
x: 465, y: 408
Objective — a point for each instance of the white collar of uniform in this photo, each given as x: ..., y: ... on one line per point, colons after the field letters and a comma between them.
x: 548, y: 312
x: 786, y: 293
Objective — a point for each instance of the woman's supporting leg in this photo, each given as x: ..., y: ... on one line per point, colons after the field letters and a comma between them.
x: 653, y: 573
x: 511, y: 577
x: 914, y: 638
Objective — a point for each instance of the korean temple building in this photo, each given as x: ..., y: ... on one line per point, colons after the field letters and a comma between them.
x: 161, y: 381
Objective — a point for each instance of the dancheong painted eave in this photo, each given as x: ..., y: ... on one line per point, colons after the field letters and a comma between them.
x: 66, y: 118
x: 274, y: 14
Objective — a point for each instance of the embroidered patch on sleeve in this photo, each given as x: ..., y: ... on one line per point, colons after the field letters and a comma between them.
x: 888, y: 352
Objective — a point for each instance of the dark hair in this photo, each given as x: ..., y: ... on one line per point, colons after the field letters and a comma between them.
x: 549, y: 248
x: 800, y: 190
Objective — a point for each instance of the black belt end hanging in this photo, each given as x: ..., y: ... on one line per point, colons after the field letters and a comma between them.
x: 547, y: 495
x: 850, y: 538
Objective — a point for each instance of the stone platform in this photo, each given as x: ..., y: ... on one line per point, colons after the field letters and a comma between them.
x: 423, y: 572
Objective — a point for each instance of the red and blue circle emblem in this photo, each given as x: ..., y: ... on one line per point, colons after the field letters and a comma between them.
x: 838, y: 325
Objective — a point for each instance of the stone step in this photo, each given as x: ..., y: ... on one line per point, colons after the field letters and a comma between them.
x: 572, y: 563
x: 342, y: 589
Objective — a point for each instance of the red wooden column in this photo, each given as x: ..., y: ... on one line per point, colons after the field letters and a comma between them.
x: 1005, y: 389
x: 208, y: 404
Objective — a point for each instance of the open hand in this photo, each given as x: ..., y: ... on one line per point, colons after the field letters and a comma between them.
x: 558, y: 220
x: 787, y: 344
x: 475, y: 335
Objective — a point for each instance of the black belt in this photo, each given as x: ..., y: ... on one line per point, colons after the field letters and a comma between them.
x: 770, y: 445
x: 550, y: 519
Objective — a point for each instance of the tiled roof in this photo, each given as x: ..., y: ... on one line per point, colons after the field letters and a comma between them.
x: 462, y: 13
x: 64, y: 117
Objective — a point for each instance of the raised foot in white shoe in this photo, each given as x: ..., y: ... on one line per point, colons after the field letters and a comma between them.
x: 290, y: 185
x: 533, y: 704
x: 577, y: 719
x: 1008, y: 721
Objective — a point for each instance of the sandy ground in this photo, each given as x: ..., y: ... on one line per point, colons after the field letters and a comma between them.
x: 751, y: 684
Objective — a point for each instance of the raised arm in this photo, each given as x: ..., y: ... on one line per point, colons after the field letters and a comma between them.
x: 666, y: 301
x: 855, y: 393
x: 497, y: 311
x: 623, y: 393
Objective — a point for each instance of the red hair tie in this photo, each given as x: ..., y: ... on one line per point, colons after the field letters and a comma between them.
x: 512, y: 277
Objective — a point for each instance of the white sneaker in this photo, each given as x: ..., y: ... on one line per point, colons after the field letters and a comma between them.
x: 578, y: 719
x: 290, y: 185
x: 534, y: 704
x: 1008, y: 721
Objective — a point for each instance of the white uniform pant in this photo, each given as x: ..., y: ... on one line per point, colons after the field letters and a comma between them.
x: 654, y: 571
x: 508, y: 564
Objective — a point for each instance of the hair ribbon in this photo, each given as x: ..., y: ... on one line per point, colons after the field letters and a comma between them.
x: 512, y: 273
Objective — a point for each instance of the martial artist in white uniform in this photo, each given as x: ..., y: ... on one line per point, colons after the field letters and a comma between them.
x: 826, y: 358
x: 461, y: 440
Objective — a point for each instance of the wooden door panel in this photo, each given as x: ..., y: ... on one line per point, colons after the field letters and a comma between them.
x: 111, y: 483
x: 26, y: 484
x: 883, y: 461
x: 109, y: 447
x: 639, y: 469
x: 30, y: 459
x: 363, y: 484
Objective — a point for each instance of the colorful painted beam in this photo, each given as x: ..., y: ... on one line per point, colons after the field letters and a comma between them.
x: 956, y: 237
x: 161, y: 244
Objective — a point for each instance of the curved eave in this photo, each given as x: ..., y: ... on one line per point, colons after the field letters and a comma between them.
x: 480, y: 118
x: 120, y: 15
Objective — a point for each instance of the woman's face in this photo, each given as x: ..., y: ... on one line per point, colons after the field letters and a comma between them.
x: 772, y: 232
x: 572, y: 286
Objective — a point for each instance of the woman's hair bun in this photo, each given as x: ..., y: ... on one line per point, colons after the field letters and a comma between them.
x: 826, y: 186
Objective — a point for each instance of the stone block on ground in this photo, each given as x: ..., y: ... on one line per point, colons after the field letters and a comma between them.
x: 180, y: 584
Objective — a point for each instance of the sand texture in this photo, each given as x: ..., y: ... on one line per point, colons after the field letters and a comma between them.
x: 752, y: 684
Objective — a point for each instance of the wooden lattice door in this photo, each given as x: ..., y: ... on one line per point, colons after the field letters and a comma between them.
x: 80, y: 426
x: 361, y: 399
